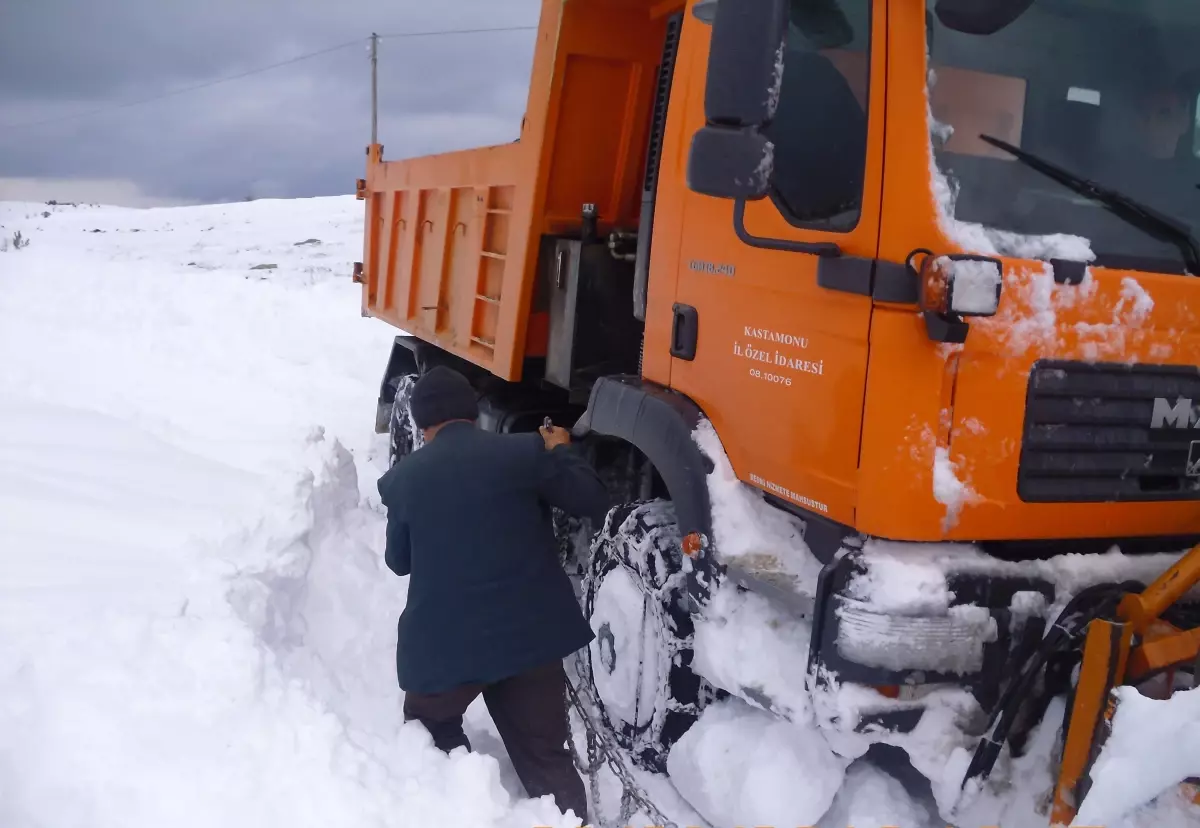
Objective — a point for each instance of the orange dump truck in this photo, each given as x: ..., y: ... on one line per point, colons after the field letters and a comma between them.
x: 926, y: 271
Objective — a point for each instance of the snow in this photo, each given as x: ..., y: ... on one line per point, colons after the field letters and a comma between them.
x: 1122, y: 778
x: 948, y: 489
x: 950, y: 476
x: 1152, y: 748
x: 912, y: 578
x: 776, y: 80
x: 1111, y: 341
x: 759, y: 761
x: 1020, y: 788
x: 744, y: 645
x: 747, y: 529
x: 1133, y: 292
x: 195, y: 624
x: 902, y: 583
x: 988, y: 241
x: 616, y: 648
x: 766, y: 165
x: 975, y: 284
x: 1028, y: 320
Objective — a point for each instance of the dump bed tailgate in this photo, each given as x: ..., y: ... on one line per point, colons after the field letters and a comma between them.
x: 443, y: 258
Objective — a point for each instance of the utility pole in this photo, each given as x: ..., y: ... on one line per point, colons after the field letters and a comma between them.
x: 374, y: 88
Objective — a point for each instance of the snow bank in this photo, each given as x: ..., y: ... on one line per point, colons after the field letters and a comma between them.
x: 94, y: 511
x: 157, y: 318
x: 1124, y: 778
x: 196, y: 627
x: 1152, y: 747
x: 739, y: 766
x: 192, y: 713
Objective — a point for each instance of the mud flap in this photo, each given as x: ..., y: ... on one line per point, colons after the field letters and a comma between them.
x: 1089, y: 722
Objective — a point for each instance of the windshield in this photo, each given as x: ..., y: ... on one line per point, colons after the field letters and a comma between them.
x: 1106, y: 89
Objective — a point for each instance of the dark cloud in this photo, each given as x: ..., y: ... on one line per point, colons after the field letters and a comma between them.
x: 297, y: 130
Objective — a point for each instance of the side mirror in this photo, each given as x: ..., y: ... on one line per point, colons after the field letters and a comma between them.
x: 705, y: 11
x: 979, y: 17
x: 730, y: 163
x: 961, y: 285
x: 745, y: 62
x: 954, y: 286
x: 729, y: 157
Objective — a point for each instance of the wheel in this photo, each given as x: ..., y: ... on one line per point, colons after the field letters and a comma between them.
x: 403, y: 435
x: 639, y: 663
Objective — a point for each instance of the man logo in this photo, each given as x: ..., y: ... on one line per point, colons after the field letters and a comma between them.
x: 1180, y: 414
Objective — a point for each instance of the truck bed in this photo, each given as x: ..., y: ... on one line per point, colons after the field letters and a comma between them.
x: 452, y: 241
x: 439, y: 246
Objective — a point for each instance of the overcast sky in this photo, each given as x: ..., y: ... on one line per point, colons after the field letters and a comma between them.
x: 299, y: 130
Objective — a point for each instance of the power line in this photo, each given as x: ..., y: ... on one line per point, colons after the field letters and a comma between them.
x: 184, y: 89
x: 401, y: 35
x: 239, y: 76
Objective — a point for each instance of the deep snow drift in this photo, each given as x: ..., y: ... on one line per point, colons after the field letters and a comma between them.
x: 196, y: 627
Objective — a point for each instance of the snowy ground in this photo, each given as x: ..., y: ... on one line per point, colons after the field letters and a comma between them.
x: 196, y: 627
x: 195, y: 624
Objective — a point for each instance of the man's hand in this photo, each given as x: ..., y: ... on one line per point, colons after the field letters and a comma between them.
x: 555, y: 436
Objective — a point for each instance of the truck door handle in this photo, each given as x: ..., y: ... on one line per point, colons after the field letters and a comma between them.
x: 685, y: 331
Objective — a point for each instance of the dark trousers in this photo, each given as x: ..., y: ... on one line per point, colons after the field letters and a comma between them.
x: 530, y: 712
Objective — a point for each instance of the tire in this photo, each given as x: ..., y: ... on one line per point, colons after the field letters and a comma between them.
x: 634, y: 593
x: 403, y: 435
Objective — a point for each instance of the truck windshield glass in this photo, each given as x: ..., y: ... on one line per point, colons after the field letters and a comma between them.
x: 1106, y: 89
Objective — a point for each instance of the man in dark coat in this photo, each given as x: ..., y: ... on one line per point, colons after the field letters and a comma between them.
x: 490, y: 610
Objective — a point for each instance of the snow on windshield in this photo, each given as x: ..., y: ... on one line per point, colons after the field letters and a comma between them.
x: 988, y: 241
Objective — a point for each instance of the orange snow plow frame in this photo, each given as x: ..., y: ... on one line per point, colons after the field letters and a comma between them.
x: 1111, y: 658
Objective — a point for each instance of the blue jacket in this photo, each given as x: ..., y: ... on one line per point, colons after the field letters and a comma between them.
x: 469, y: 523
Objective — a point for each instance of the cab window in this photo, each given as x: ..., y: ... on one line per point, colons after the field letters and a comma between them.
x: 820, y: 126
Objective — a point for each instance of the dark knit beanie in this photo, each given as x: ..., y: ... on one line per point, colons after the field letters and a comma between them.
x: 442, y: 395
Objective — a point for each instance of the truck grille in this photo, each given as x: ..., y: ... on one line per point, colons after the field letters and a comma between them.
x: 1089, y: 435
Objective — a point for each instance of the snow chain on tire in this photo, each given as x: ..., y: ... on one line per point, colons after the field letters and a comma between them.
x: 602, y: 750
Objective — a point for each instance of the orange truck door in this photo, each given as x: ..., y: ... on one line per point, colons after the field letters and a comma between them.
x: 778, y: 289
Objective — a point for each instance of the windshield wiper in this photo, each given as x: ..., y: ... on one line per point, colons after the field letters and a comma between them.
x: 1159, y: 225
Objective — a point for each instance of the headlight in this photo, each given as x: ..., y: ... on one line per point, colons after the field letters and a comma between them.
x: 953, y: 643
